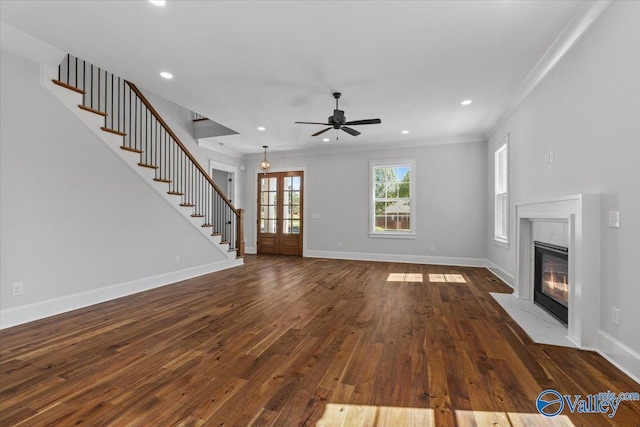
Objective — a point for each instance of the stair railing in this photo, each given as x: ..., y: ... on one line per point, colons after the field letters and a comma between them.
x: 128, y: 113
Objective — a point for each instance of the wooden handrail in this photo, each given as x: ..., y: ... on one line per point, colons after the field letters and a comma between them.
x: 153, y: 111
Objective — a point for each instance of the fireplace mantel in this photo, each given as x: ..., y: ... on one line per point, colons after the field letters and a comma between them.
x: 582, y: 212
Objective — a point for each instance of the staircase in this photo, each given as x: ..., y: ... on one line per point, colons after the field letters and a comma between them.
x: 118, y: 112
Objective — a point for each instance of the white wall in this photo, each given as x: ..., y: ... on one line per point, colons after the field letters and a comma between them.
x: 450, y: 202
x: 587, y: 110
x: 74, y: 217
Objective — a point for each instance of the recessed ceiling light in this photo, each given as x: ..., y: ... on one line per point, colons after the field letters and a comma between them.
x: 261, y: 128
x: 405, y: 132
x: 166, y: 75
x: 325, y: 139
x: 157, y: 2
x: 466, y: 102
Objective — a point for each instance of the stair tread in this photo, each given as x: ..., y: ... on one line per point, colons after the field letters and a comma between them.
x: 134, y: 150
x: 206, y: 225
x: 68, y: 86
x: 162, y: 180
x: 145, y: 165
x: 189, y: 205
x: 116, y: 132
x: 92, y: 110
x: 175, y: 193
x: 197, y: 216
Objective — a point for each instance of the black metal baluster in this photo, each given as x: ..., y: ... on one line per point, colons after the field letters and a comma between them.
x: 135, y: 122
x: 120, y: 108
x: 158, y: 151
x: 99, y: 73
x: 112, y: 112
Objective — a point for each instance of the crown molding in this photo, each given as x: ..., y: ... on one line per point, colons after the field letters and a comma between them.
x: 572, y: 32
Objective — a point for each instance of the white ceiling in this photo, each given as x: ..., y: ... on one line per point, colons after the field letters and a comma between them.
x: 246, y: 64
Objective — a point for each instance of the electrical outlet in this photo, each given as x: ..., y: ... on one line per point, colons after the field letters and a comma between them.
x: 178, y: 260
x: 432, y: 248
x: 615, y: 316
x: 340, y: 244
x: 17, y: 289
x: 551, y: 156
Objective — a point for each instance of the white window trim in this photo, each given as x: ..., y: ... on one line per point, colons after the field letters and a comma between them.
x: 501, y: 241
x: 411, y: 162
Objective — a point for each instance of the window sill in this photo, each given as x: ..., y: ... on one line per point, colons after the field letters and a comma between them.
x: 504, y: 244
x: 392, y: 235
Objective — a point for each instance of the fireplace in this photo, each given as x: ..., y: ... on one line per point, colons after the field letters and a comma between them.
x: 551, y: 279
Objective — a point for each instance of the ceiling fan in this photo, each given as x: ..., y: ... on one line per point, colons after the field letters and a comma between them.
x: 339, y: 121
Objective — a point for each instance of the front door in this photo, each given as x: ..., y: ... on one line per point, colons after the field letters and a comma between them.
x: 280, y: 198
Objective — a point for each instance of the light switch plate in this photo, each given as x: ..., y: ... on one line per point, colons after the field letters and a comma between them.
x: 614, y: 219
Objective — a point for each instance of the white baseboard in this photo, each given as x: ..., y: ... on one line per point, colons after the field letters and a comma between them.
x: 39, y: 310
x: 623, y: 357
x: 409, y: 259
x: 502, y: 275
x: 250, y: 250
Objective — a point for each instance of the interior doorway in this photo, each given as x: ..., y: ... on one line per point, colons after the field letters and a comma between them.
x: 280, y: 215
x: 224, y: 181
x: 224, y: 177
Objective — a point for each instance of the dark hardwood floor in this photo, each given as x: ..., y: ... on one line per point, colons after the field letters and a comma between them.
x: 288, y: 341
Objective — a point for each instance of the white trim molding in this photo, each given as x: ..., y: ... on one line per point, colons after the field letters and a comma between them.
x: 39, y: 310
x: 503, y: 275
x: 623, y: 357
x: 575, y: 29
x: 407, y: 259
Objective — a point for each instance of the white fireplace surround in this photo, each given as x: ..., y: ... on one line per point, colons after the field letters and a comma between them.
x: 582, y: 213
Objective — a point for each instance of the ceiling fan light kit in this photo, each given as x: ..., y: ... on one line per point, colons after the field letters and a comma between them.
x: 339, y: 121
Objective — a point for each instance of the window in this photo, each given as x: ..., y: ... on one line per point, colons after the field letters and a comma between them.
x: 501, y: 182
x: 392, y: 208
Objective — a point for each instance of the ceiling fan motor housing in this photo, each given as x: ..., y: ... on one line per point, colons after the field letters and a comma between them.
x: 338, y: 119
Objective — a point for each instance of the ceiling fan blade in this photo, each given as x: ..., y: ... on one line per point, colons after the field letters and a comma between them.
x: 321, y: 132
x: 350, y: 131
x: 312, y: 123
x: 364, y: 122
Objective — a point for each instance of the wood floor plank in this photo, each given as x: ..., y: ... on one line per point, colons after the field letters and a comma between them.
x: 288, y: 341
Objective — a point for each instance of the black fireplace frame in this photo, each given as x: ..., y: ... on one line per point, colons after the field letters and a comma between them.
x: 551, y: 305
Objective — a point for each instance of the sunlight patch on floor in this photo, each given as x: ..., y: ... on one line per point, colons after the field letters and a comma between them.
x: 374, y: 416
x: 510, y: 419
x: 446, y: 278
x: 405, y: 277
x: 344, y: 415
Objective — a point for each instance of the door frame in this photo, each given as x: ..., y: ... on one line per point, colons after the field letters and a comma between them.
x: 305, y: 215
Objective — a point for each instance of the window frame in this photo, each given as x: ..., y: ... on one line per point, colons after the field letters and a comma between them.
x: 501, y: 182
x: 392, y: 163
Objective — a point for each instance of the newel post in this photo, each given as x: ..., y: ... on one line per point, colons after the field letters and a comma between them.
x: 240, y: 232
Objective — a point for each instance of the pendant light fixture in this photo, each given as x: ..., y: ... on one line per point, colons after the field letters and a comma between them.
x: 265, y: 166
